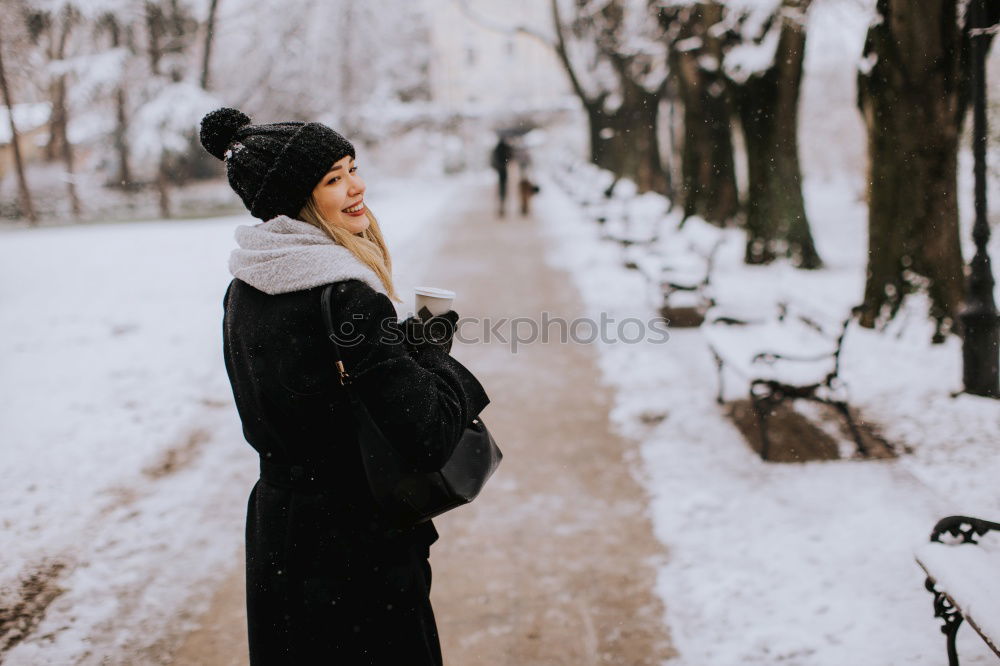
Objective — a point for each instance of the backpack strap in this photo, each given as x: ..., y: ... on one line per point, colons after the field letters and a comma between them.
x: 331, y: 335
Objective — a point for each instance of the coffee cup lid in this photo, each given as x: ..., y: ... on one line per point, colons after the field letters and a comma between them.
x: 435, y: 292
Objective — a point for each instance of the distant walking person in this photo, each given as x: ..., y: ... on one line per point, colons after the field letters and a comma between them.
x: 502, y: 155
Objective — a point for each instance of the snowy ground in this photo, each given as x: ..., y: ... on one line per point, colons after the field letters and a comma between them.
x: 122, y: 458
x: 123, y: 466
x: 806, y: 564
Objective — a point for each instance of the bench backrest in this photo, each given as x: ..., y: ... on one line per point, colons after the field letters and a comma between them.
x: 825, y: 324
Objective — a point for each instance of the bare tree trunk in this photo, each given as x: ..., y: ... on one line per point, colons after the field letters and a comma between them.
x: 121, y: 117
x: 163, y: 188
x: 768, y: 107
x: 68, y: 158
x: 22, y: 182
x: 708, y: 171
x: 59, y: 119
x: 209, y: 38
x: 121, y: 140
x: 57, y: 89
x: 643, y: 163
x: 600, y: 130
x: 348, y: 101
x: 668, y: 116
x: 631, y: 148
x: 155, y: 27
x: 156, y: 24
x: 52, y: 147
x: 675, y: 134
x: 912, y: 103
x: 623, y: 141
x: 60, y: 133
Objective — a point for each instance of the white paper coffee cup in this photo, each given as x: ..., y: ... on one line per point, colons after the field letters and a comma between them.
x: 438, y: 301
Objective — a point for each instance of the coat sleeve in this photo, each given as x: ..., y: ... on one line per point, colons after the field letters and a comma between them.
x: 421, y: 401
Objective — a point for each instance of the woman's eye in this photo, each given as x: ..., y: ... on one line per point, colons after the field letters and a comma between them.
x: 353, y: 169
x: 333, y: 180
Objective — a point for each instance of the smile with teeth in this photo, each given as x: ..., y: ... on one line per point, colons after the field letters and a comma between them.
x: 356, y: 209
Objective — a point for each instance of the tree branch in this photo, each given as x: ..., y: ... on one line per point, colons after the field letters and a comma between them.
x: 496, y: 26
x: 560, y: 48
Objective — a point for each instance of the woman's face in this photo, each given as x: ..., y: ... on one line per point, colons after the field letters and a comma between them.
x: 339, y: 196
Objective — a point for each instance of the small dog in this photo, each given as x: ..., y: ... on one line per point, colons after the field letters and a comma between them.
x: 526, y: 189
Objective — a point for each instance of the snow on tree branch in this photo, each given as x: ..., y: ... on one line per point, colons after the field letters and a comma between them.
x: 612, y: 43
x: 167, y: 122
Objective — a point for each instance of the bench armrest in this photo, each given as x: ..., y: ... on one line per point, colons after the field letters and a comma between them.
x: 967, y: 529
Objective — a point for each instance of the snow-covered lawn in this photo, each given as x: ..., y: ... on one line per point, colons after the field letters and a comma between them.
x: 807, y: 564
x: 123, y: 469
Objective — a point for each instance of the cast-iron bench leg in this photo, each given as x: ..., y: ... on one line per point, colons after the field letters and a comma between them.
x: 855, y: 433
x: 952, y: 618
x: 761, y: 406
x: 765, y: 442
x: 718, y: 365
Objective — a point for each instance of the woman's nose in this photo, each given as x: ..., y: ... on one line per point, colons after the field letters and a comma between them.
x: 357, y: 186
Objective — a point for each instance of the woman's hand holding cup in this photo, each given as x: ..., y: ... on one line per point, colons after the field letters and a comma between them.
x: 437, y: 301
x: 434, y: 323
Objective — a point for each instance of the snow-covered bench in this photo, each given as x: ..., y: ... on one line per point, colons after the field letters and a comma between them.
x: 611, y: 201
x: 614, y: 206
x: 791, y: 354
x: 678, y: 270
x: 637, y: 225
x: 587, y: 184
x: 962, y: 563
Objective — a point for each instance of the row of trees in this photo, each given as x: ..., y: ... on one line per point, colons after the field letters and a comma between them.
x: 716, y: 62
x: 114, y: 69
x: 130, y: 79
x: 732, y: 70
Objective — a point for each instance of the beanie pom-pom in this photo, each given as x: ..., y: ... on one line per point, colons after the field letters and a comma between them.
x: 218, y: 129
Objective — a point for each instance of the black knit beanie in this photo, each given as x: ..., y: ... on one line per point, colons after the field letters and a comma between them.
x: 273, y: 167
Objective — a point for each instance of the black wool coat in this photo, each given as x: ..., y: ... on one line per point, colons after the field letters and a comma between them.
x: 327, y: 580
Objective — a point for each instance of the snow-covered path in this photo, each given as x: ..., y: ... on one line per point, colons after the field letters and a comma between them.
x: 556, y: 562
x: 123, y: 468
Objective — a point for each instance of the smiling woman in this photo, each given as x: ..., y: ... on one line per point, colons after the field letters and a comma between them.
x: 339, y: 197
x: 329, y: 578
x: 337, y: 206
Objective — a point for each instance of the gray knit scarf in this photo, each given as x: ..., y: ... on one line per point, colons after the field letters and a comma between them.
x: 285, y: 254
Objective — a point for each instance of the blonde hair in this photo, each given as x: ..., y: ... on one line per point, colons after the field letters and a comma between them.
x: 368, y: 246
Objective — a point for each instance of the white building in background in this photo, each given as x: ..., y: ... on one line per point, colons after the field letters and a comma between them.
x: 487, y: 68
x: 483, y: 78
